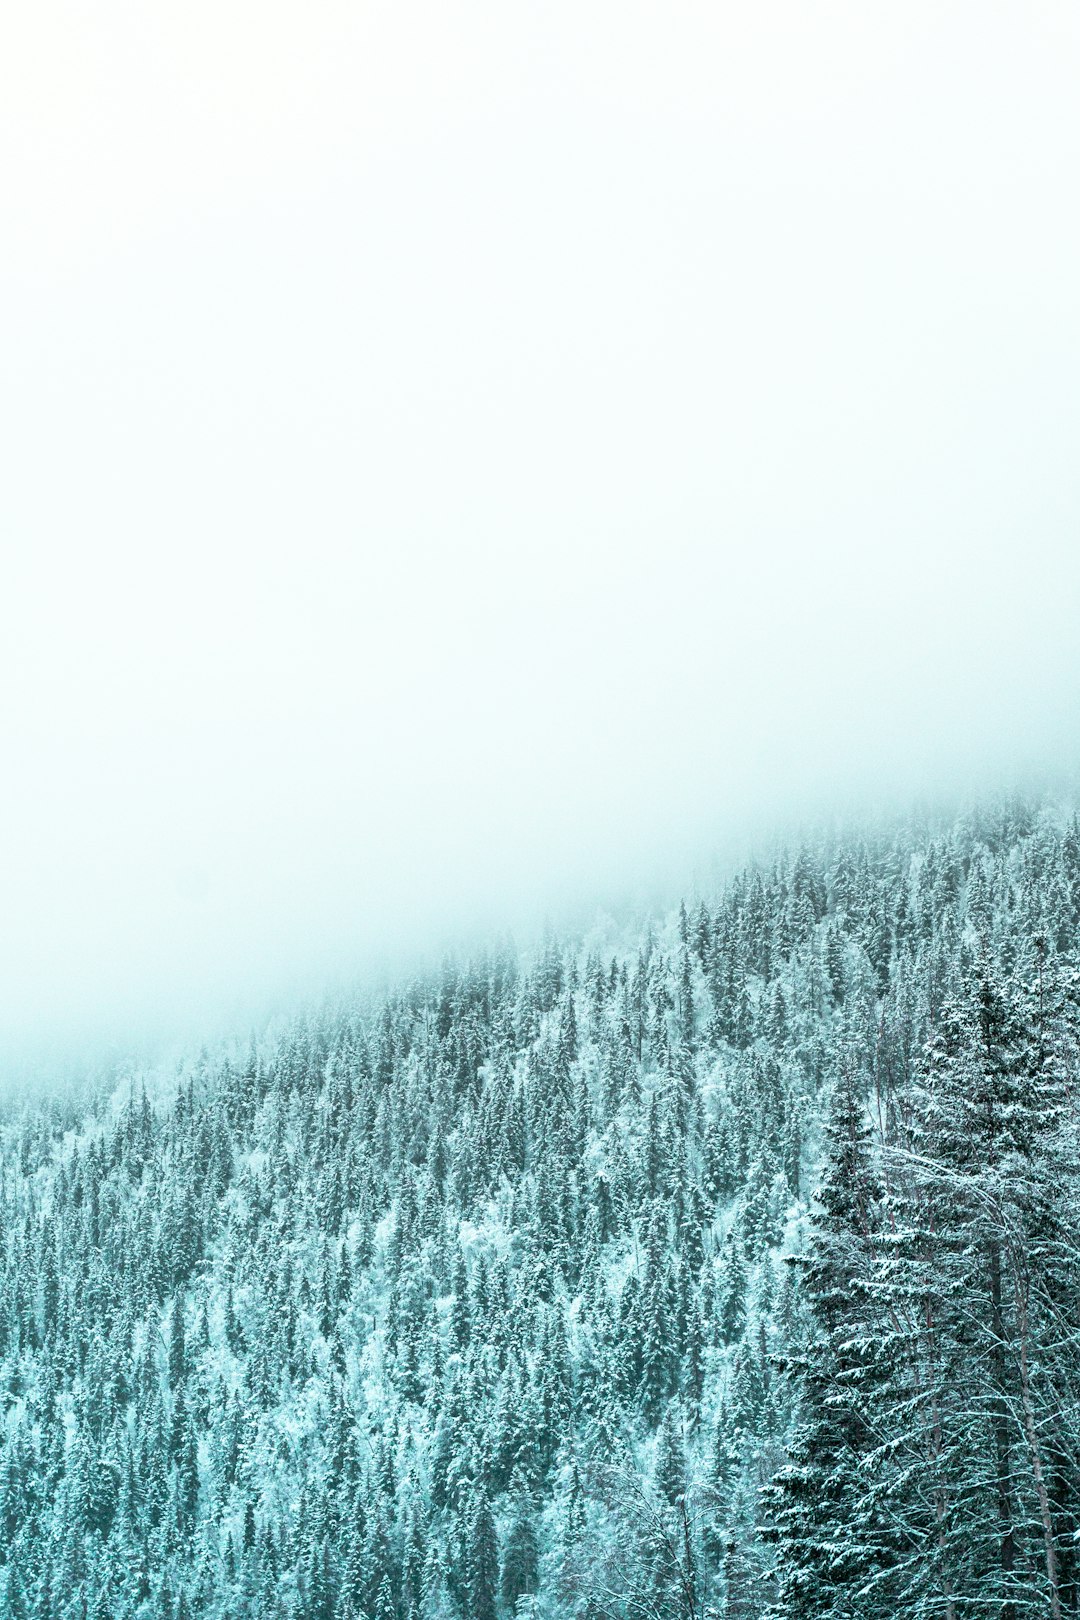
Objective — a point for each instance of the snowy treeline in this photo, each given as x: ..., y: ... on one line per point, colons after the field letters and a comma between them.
x: 509, y: 1295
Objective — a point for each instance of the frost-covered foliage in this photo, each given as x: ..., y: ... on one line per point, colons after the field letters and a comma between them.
x: 505, y: 1296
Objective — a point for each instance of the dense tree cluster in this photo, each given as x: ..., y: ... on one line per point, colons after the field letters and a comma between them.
x: 507, y: 1294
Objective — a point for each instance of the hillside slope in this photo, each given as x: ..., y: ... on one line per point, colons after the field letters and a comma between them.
x: 475, y: 1301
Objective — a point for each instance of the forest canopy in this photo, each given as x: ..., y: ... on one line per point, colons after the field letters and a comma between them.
x: 731, y: 1268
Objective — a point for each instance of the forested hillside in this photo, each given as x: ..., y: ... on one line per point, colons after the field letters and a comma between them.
x: 728, y: 1269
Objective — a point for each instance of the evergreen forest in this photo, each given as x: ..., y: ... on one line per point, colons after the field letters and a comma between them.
x: 722, y: 1267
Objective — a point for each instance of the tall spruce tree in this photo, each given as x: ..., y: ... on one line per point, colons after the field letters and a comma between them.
x: 832, y: 1545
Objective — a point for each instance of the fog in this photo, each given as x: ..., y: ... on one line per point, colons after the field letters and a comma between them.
x: 469, y: 463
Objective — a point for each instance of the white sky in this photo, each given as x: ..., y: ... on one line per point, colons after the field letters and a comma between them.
x: 456, y: 456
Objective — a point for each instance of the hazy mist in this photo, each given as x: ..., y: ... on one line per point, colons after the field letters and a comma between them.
x: 464, y: 462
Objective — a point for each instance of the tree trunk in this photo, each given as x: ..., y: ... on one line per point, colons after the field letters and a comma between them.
x: 999, y: 1418
x: 1034, y: 1452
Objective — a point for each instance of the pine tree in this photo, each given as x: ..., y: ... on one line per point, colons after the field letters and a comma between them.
x: 831, y: 1549
x: 521, y: 1556
x: 483, y: 1563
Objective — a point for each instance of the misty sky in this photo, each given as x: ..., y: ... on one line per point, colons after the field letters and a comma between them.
x: 457, y: 458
